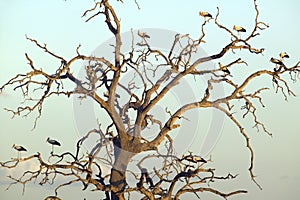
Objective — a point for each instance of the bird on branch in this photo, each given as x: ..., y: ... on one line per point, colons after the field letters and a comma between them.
x: 277, y: 62
x: 239, y: 29
x: 53, y: 142
x: 195, y: 159
x: 207, y: 16
x: 283, y: 55
x: 224, y: 69
x: 143, y: 34
x: 19, y: 149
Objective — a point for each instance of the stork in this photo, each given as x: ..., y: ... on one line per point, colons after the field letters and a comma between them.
x: 195, y: 159
x: 143, y: 34
x: 239, y: 29
x: 206, y: 15
x: 19, y: 149
x: 277, y: 62
x: 224, y: 69
x: 53, y: 142
x: 283, y: 55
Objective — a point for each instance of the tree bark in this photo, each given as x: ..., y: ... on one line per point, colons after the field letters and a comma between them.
x: 118, y: 171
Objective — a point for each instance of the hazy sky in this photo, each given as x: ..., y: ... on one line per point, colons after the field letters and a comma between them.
x: 59, y: 24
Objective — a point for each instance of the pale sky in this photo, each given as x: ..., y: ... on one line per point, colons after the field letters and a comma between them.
x: 59, y: 24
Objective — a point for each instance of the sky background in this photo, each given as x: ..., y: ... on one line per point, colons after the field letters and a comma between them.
x: 59, y: 24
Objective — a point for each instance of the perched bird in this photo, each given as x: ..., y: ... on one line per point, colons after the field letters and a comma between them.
x: 195, y: 159
x: 276, y: 61
x: 53, y: 142
x: 283, y: 55
x: 19, y: 149
x: 224, y: 69
x: 239, y: 28
x: 143, y: 34
x: 206, y: 15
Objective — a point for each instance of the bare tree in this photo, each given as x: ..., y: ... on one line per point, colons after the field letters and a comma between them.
x: 154, y: 74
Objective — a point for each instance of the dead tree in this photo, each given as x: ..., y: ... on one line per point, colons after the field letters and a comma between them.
x: 158, y: 73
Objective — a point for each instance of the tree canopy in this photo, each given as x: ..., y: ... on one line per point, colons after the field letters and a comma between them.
x: 128, y: 87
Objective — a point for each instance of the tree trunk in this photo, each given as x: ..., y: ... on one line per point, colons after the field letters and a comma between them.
x: 118, y: 172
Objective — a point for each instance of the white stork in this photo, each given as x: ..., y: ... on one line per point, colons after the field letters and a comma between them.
x: 53, y: 142
x: 283, y: 55
x: 143, y: 34
x: 206, y: 15
x: 195, y: 159
x: 19, y: 149
x: 277, y: 62
x: 224, y: 68
x: 239, y: 29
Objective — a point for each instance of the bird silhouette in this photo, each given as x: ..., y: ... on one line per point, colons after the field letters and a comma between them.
x: 224, y: 69
x: 277, y: 62
x: 239, y: 29
x: 195, y: 159
x: 143, y: 34
x: 283, y: 55
x: 207, y: 16
x: 19, y: 149
x: 53, y: 143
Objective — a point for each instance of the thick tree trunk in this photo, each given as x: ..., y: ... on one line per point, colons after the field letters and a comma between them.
x: 118, y: 172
